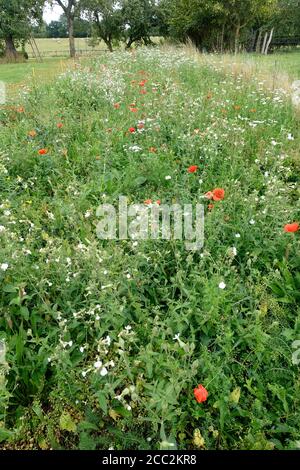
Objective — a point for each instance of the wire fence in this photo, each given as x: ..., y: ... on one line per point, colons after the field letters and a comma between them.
x: 66, y: 53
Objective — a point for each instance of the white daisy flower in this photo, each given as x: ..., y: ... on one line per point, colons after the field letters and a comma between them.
x: 103, y: 371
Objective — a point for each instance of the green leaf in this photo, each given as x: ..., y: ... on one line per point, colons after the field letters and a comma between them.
x: 10, y: 288
x: 140, y: 181
x: 25, y: 313
x: 102, y: 402
x: 86, y: 425
x: 66, y: 423
x: 5, y: 434
x: 86, y: 442
x: 234, y: 397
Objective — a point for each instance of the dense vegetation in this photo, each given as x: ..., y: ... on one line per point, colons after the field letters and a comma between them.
x: 218, y: 25
x: 103, y: 342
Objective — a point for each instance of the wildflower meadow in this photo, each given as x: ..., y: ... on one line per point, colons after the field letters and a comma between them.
x: 137, y: 342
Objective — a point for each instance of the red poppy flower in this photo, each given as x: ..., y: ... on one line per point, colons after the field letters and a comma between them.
x: 218, y: 194
x: 132, y: 130
x: 158, y: 202
x: 117, y: 105
x: 60, y: 125
x: 192, y: 169
x: 20, y: 109
x: 290, y: 228
x: 152, y: 149
x: 148, y: 202
x: 43, y: 151
x: 143, y: 82
x: 143, y: 92
x: 200, y: 393
x: 133, y: 110
x: 210, y: 207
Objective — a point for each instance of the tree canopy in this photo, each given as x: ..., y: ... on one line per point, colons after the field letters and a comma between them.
x: 213, y: 25
x: 17, y: 17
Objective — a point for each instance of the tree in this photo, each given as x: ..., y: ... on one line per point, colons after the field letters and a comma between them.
x: 57, y: 29
x: 71, y: 9
x: 217, y: 24
x: 107, y: 18
x: 139, y: 17
x: 197, y: 20
x: 287, y: 18
x: 17, y: 17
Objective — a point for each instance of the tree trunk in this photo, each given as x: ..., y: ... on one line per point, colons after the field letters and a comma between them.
x: 237, y: 38
x: 269, y: 42
x: 71, y: 36
x: 258, y: 41
x: 222, y: 39
x: 10, y: 52
x: 109, y: 44
x: 130, y: 42
x: 264, y: 43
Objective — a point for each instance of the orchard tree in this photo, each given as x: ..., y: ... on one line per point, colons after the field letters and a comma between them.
x: 71, y: 9
x: 139, y: 19
x: 17, y: 18
x: 107, y: 18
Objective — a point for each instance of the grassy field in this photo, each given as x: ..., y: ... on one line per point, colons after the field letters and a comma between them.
x: 278, y: 63
x: 60, y: 47
x: 21, y: 73
x: 140, y: 343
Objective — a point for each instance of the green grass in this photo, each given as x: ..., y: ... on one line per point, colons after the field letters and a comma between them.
x: 285, y: 62
x: 22, y: 72
x: 104, y: 341
x: 276, y: 70
x: 60, y: 47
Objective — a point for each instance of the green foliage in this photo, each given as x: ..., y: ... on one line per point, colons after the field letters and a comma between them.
x: 103, y: 342
x: 16, y: 17
x: 139, y: 17
x: 227, y: 24
x: 107, y: 20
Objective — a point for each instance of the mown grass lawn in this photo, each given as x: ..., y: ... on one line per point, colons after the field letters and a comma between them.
x: 103, y: 343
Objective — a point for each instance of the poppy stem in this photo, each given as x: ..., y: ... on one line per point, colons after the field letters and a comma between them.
x: 287, y: 251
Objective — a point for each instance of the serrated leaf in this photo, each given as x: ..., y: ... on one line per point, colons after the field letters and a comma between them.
x: 235, y: 395
x: 86, y: 442
x: 86, y: 425
x: 66, y: 422
x: 198, y: 440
